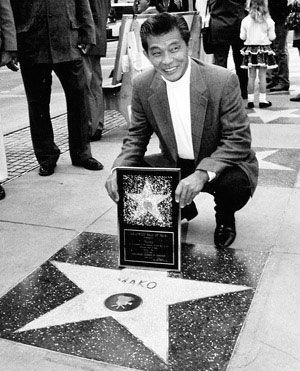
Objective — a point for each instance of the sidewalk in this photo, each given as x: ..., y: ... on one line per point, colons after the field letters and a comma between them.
x: 253, y: 330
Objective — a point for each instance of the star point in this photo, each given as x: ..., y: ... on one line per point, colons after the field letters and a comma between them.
x: 261, y: 155
x: 271, y: 115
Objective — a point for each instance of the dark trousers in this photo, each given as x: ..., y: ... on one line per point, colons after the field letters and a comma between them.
x: 37, y: 81
x: 221, y: 58
x: 94, y: 93
x: 280, y: 75
x: 231, y: 189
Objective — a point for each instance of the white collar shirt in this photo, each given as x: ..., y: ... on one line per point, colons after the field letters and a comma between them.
x: 180, y: 107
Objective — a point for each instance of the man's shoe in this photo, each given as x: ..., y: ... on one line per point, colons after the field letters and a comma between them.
x: 189, y: 212
x: 278, y: 88
x: 224, y: 235
x: 89, y: 164
x: 2, y: 192
x: 96, y: 136
x: 46, y: 170
x: 265, y: 104
x: 295, y: 99
x: 250, y: 105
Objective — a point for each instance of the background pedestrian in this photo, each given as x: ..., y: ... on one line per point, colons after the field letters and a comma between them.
x: 258, y: 30
x: 226, y: 17
x: 8, y: 48
x: 51, y: 35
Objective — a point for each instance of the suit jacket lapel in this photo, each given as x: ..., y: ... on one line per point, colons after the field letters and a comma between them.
x: 159, y: 103
x: 198, y: 106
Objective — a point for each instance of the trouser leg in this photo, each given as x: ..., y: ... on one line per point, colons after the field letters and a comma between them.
x: 221, y: 55
x: 280, y: 75
x: 72, y: 78
x: 241, y: 72
x: 94, y: 93
x: 231, y: 191
x: 37, y: 81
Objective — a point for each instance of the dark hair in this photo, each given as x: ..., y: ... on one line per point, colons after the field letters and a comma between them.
x: 157, y: 4
x: 160, y: 24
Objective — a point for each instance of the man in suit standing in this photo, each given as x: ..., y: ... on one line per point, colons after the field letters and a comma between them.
x: 8, y: 49
x: 92, y: 68
x: 197, y: 113
x: 225, y: 21
x: 50, y: 36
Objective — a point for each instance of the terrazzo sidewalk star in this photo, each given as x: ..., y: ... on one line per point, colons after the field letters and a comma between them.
x: 147, y: 319
x: 80, y: 303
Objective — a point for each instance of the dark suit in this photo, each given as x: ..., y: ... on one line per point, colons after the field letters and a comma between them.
x: 220, y: 129
x: 92, y: 66
x: 48, y: 34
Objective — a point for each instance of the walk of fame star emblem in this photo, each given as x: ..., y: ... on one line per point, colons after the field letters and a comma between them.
x: 122, y: 302
x: 79, y: 304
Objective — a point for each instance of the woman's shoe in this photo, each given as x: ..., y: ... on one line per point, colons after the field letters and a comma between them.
x: 265, y: 104
x: 2, y: 192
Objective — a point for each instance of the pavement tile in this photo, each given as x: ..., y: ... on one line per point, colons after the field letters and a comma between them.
x: 257, y: 223
x: 270, y: 339
x: 23, y: 247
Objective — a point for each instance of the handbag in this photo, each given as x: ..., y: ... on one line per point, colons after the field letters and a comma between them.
x: 208, y: 45
x: 293, y: 18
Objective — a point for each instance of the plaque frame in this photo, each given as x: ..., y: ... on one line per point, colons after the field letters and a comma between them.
x: 149, y: 239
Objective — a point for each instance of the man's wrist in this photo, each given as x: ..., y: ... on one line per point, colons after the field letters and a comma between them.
x: 208, y: 175
x: 203, y: 175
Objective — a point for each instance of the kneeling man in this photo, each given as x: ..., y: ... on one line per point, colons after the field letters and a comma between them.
x: 198, y: 115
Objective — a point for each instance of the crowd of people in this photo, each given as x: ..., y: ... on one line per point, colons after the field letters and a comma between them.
x: 202, y: 130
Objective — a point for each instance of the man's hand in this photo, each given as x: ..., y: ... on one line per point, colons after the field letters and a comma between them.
x: 10, y: 60
x: 189, y: 187
x: 112, y: 186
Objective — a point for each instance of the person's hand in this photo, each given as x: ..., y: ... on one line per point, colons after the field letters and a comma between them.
x: 10, y: 60
x: 112, y: 186
x: 189, y: 187
x: 84, y: 48
x: 13, y: 63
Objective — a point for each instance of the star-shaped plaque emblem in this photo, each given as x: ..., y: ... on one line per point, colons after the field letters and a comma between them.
x: 137, y: 299
x: 147, y: 202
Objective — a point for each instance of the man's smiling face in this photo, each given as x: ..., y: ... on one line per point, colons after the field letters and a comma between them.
x: 169, y: 54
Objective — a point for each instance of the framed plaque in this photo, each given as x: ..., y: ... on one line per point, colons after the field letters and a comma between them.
x: 149, y: 218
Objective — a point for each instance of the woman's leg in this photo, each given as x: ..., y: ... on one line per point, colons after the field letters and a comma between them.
x: 262, y: 75
x: 251, y: 80
x: 251, y: 86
